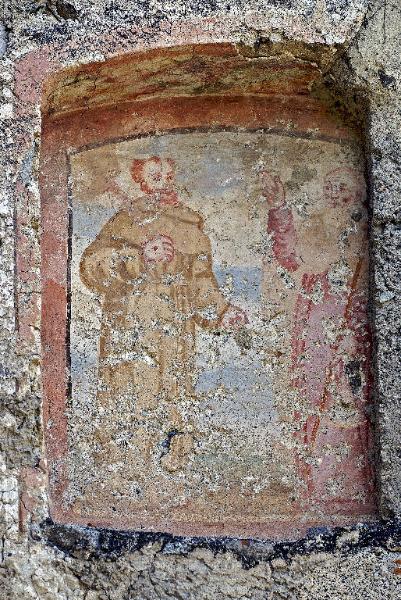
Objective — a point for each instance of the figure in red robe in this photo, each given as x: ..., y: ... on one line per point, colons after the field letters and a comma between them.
x: 326, y: 256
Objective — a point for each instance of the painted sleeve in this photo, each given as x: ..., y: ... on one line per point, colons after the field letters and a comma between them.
x: 207, y: 300
x: 280, y: 225
x: 103, y: 266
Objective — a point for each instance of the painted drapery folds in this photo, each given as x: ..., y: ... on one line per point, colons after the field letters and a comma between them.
x: 219, y: 340
x: 152, y: 264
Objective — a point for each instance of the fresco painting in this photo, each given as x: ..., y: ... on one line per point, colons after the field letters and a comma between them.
x: 152, y: 265
x: 218, y: 337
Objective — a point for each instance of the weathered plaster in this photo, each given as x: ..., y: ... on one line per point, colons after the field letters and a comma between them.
x: 365, y: 71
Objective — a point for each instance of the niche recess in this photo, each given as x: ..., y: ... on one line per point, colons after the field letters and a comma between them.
x: 273, y: 436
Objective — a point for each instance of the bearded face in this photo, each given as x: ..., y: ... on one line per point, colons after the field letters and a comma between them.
x: 153, y: 174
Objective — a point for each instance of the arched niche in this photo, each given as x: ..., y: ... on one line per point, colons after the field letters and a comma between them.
x: 206, y: 344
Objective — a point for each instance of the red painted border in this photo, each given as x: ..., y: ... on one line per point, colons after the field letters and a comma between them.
x: 70, y: 133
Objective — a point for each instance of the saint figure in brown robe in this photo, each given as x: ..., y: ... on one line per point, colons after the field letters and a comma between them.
x: 152, y: 265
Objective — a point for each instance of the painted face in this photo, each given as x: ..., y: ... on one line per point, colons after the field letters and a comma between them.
x: 338, y: 192
x: 156, y: 175
x: 342, y: 187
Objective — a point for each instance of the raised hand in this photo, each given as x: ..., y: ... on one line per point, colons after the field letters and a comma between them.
x: 272, y: 188
x: 158, y: 249
x: 234, y: 318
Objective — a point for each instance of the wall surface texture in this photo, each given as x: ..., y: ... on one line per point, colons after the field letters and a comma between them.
x: 70, y: 85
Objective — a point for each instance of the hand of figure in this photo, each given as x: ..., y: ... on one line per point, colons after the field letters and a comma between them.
x: 115, y: 189
x: 158, y: 249
x: 234, y: 318
x: 272, y: 188
x: 347, y: 345
x: 128, y: 265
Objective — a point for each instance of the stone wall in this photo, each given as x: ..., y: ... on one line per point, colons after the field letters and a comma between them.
x: 355, y: 49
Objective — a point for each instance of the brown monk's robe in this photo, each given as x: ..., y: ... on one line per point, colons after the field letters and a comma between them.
x: 149, y: 311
